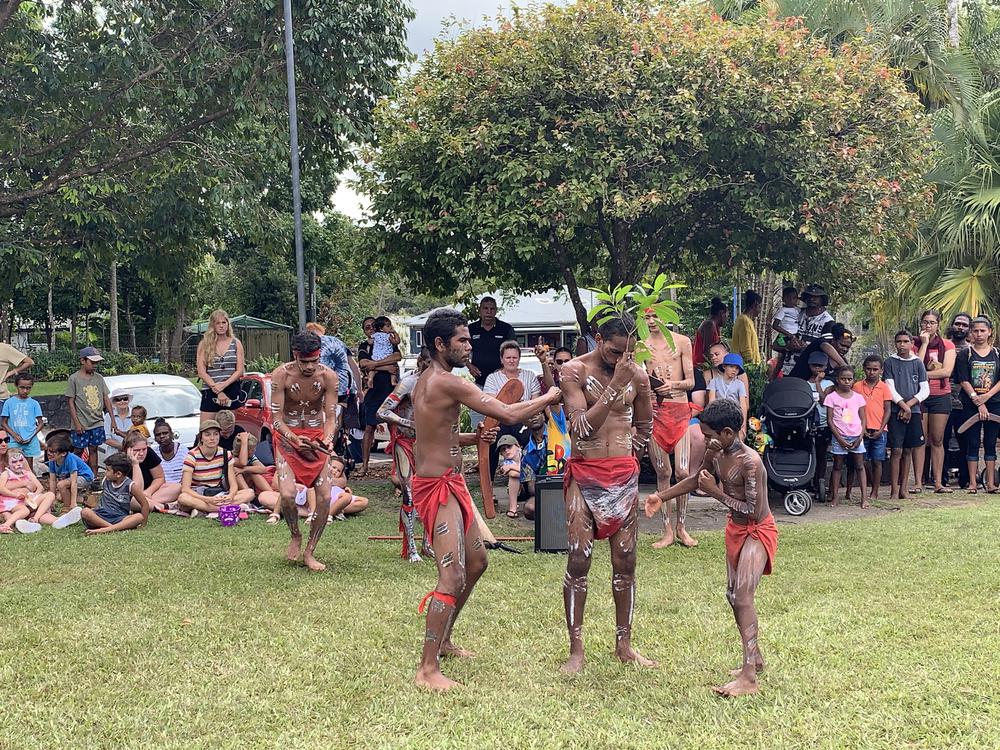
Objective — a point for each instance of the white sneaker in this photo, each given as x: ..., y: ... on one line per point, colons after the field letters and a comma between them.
x: 68, y: 518
x: 27, y: 527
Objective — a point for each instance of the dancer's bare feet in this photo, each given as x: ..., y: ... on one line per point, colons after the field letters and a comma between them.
x: 432, y: 679
x: 666, y: 540
x: 629, y: 654
x: 761, y: 666
x: 742, y: 685
x: 450, y: 649
x: 574, y: 664
x: 294, y: 549
x: 865, y: 504
x: 686, y: 539
x: 312, y: 563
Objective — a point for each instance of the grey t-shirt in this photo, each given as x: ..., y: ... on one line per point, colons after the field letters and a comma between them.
x: 906, y: 376
x: 733, y: 390
x: 117, y: 499
x: 88, y: 394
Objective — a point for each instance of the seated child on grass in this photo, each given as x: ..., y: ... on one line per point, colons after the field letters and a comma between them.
x: 343, y: 501
x: 510, y: 467
x: 119, y: 489
x: 251, y: 473
x: 23, y: 503
x: 68, y: 473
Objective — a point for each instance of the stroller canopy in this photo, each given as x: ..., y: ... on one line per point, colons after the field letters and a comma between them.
x: 789, y: 398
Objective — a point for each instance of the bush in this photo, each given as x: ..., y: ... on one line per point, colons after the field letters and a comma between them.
x: 264, y: 363
x: 61, y: 363
x: 757, y: 375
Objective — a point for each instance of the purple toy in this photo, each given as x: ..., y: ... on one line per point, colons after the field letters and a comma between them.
x: 229, y: 514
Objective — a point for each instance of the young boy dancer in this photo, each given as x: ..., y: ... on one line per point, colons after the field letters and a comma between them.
x: 751, y: 535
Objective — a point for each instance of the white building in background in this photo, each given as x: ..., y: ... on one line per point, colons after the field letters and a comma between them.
x: 548, y: 315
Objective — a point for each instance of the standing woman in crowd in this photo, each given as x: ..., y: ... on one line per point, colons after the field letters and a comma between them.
x: 978, y: 372
x: 709, y: 332
x: 220, y: 366
x: 938, y: 354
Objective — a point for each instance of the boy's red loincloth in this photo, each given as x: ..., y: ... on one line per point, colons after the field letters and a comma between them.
x: 671, y: 420
x: 305, y: 472
x: 765, y: 532
x: 406, y: 443
x: 430, y: 493
x: 609, y: 486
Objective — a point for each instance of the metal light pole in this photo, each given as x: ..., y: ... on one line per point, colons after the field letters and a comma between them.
x: 293, y: 128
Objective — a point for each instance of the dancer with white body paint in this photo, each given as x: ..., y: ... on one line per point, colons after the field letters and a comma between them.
x: 605, y: 395
x: 751, y: 534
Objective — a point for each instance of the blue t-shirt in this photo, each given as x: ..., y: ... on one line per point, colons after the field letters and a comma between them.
x: 72, y: 463
x: 334, y: 354
x: 22, y: 414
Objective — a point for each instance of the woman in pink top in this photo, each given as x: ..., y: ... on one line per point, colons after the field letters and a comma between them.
x: 845, y: 413
x: 938, y: 354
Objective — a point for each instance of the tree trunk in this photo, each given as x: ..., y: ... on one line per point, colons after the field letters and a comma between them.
x: 115, y: 343
x: 72, y: 330
x: 130, y: 319
x: 165, y: 345
x: 178, y: 336
x: 954, y: 9
x: 50, y: 320
x: 571, y: 286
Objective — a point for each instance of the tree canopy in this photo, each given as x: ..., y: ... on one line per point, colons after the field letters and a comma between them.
x: 596, y: 142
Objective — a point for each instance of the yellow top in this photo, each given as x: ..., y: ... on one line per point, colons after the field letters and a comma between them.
x: 745, y: 341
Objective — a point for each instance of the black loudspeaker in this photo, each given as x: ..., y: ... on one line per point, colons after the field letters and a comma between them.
x: 550, y: 515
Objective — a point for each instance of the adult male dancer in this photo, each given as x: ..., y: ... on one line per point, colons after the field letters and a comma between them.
x: 304, y: 405
x: 671, y: 376
x: 397, y: 411
x: 605, y: 394
x: 439, y: 493
x: 751, y: 534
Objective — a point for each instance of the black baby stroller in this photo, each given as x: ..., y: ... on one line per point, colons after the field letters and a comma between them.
x: 788, y: 417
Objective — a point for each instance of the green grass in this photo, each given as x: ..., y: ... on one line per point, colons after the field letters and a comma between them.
x: 880, y: 633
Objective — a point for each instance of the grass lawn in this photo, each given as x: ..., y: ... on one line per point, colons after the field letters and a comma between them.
x: 880, y: 633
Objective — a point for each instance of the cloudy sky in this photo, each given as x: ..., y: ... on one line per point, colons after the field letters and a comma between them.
x: 420, y: 36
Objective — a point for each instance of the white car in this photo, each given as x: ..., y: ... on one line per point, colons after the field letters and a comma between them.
x: 528, y: 362
x: 169, y: 396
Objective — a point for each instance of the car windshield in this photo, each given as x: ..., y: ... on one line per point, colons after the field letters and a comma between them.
x: 167, y: 401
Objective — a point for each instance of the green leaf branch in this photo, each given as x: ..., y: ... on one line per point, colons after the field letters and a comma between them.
x: 635, y: 301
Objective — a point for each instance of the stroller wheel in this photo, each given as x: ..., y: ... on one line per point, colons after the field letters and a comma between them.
x: 797, y: 502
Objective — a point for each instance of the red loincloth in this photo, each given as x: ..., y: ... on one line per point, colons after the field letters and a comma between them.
x: 430, y: 493
x: 305, y: 472
x: 406, y: 443
x: 765, y: 532
x: 609, y: 486
x: 671, y: 420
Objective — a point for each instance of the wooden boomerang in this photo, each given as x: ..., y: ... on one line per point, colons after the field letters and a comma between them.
x: 973, y: 421
x: 511, y: 393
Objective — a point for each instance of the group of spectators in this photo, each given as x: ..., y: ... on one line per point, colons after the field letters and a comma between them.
x: 940, y: 388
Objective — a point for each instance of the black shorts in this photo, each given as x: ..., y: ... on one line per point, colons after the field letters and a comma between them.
x: 233, y: 391
x: 905, y: 434
x: 937, y: 404
x: 373, y: 400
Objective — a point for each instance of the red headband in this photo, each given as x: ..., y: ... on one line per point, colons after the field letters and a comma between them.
x: 313, y: 353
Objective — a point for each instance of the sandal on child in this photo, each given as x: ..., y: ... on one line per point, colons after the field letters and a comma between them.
x: 513, y: 514
x: 273, y: 518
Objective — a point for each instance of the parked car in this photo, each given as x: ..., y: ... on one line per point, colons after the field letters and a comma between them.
x: 169, y: 396
x: 255, y: 415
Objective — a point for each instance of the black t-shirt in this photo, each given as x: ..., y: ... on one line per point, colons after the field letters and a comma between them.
x: 486, y: 347
x: 980, y: 371
x: 229, y: 442
x: 150, y: 462
x: 382, y: 382
x: 801, y: 368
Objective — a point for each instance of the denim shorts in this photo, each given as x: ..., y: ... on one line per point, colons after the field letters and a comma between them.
x: 837, y: 450
x: 875, y: 447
